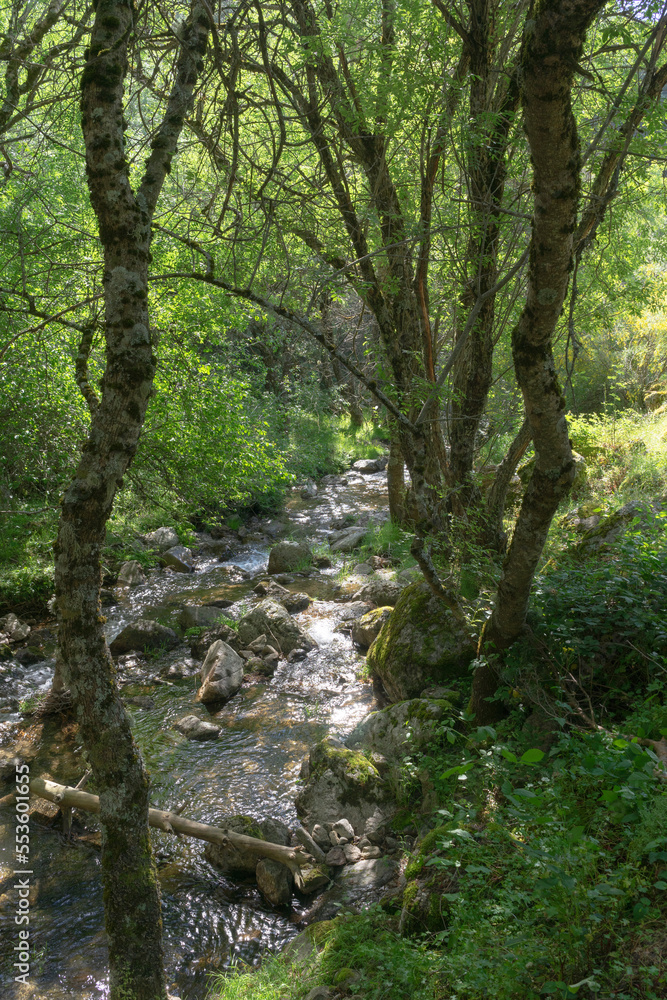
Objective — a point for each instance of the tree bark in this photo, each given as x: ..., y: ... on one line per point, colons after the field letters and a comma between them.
x: 552, y: 47
x: 395, y: 476
x: 131, y: 893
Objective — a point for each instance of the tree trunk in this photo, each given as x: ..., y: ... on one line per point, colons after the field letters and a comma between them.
x: 552, y: 48
x: 131, y: 893
x: 396, y: 476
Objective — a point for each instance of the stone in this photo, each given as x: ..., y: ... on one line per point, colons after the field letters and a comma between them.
x: 321, y: 837
x: 375, y: 827
x: 274, y: 881
x: 143, y: 635
x: 277, y: 591
x: 366, y: 876
x: 131, y: 574
x: 295, y: 603
x: 274, y: 621
x: 238, y: 860
x: 162, y: 539
x: 384, y: 593
x: 370, y: 851
x: 253, y: 665
x: 196, y: 729
x: 273, y: 528
x: 339, y: 782
x: 423, y: 642
x: 355, y: 609
x: 343, y: 828
x: 333, y: 838
x: 347, y: 540
x: 313, y: 878
x: 193, y: 616
x: 402, y: 728
x: 369, y: 465
x: 221, y: 674
x: 323, y: 562
x: 200, y: 644
x: 309, y: 491
x: 107, y: 597
x: 366, y: 629
x: 179, y: 558
x: 336, y: 857
x: 288, y: 556
x: 352, y: 853
x: 362, y: 569
x: 318, y: 993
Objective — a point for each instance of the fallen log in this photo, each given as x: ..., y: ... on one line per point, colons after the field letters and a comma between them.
x: 171, y: 822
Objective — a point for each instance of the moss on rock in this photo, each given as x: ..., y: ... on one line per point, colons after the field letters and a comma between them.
x: 423, y: 642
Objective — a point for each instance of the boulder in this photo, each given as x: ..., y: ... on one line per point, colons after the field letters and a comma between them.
x: 197, y: 729
x: 179, y: 558
x: 162, y: 539
x: 143, y: 635
x: 314, y: 878
x: 422, y: 643
x: 370, y: 465
x: 362, y: 569
x: 273, y: 620
x: 353, y: 610
x: 287, y: 556
x: 192, y: 616
x: 347, y: 540
x: 201, y: 643
x: 339, y: 782
x: 309, y: 491
x: 384, y: 593
x: 221, y: 673
x: 238, y: 860
x: 366, y: 629
x: 131, y: 574
x: 274, y: 881
x: 13, y: 629
x: 401, y: 728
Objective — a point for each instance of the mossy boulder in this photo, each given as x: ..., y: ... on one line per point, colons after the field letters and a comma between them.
x: 366, y: 629
x: 423, y: 643
x: 238, y: 861
x: 340, y: 782
x: 609, y: 528
x: 401, y: 728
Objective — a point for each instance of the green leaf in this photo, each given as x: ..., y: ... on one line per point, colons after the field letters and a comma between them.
x: 532, y: 756
x: 508, y: 755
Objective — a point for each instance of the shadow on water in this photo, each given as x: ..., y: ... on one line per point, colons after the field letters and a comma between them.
x: 210, y: 923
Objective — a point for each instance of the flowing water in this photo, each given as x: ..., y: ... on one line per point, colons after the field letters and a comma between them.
x: 267, y: 729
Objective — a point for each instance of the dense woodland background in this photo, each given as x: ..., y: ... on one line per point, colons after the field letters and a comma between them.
x: 361, y: 231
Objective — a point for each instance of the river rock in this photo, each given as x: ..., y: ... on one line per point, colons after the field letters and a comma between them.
x: 221, y: 673
x: 277, y: 624
x: 295, y: 603
x: 192, y: 616
x: 339, y: 782
x: 353, y: 610
x: 362, y: 569
x: 201, y: 643
x: 162, y: 539
x: 384, y: 593
x: 197, y: 729
x: 370, y: 465
x: 240, y: 861
x: 423, y: 642
x: 131, y: 574
x: 143, y: 635
x: 12, y: 629
x: 367, y: 628
x: 366, y: 876
x: 309, y: 491
x: 401, y: 728
x: 274, y: 881
x: 313, y: 878
x: 287, y: 556
x: 347, y: 540
x: 179, y: 558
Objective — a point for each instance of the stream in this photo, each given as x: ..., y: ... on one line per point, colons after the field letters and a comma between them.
x: 210, y: 922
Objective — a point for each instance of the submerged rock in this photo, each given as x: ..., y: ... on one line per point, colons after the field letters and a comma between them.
x: 287, y: 556
x: 197, y: 729
x: 221, y: 673
x: 274, y: 621
x: 339, y: 782
x: 423, y: 642
x: 142, y: 636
